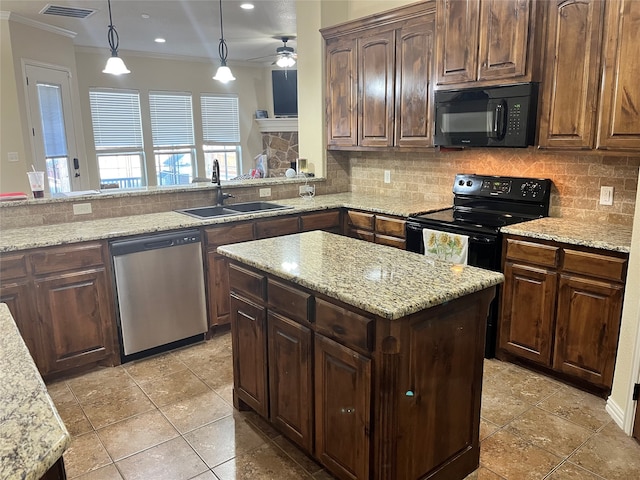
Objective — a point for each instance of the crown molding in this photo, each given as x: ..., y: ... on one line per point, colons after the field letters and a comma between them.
x: 35, y: 24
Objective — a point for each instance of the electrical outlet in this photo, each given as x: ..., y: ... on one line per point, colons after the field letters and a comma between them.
x: 303, y: 189
x: 606, y: 195
x: 13, y: 157
x: 265, y: 192
x: 81, y: 208
x: 387, y: 176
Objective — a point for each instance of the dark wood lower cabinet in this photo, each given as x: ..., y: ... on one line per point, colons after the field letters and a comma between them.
x: 56, y: 472
x: 343, y: 412
x: 367, y: 397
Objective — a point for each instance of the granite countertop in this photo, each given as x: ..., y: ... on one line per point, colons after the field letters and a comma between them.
x: 32, y: 435
x: 616, y: 238
x: 109, y: 228
x: 372, y: 277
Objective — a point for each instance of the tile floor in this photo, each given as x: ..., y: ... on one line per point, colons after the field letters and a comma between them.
x: 171, y: 417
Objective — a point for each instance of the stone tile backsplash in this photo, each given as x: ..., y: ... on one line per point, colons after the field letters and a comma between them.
x: 577, y: 178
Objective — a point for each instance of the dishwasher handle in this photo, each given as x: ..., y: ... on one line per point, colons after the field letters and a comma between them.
x: 154, y: 242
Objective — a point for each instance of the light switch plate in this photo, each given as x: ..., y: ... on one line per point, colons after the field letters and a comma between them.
x: 265, y: 192
x: 387, y: 176
x: 13, y: 157
x: 81, y: 208
x: 606, y: 195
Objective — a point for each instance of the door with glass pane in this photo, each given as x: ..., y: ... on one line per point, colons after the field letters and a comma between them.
x: 53, y: 138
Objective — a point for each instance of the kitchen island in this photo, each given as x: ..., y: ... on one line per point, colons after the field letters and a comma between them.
x: 368, y: 357
x: 32, y: 435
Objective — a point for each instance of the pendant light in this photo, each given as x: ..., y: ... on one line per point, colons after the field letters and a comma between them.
x: 115, y: 65
x: 223, y: 74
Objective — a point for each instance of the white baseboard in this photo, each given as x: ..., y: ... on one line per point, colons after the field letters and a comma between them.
x: 615, y: 412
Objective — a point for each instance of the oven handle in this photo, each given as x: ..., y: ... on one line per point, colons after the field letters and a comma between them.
x: 418, y: 228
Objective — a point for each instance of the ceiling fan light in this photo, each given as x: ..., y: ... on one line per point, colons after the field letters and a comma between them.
x: 115, y: 66
x: 224, y: 74
x: 285, y: 62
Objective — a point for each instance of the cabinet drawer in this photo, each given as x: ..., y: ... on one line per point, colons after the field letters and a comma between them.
x: 362, y: 234
x: 344, y: 326
x: 289, y: 301
x: 13, y: 266
x: 66, y: 258
x: 601, y: 266
x: 391, y: 241
x: 277, y: 227
x: 320, y: 221
x: 360, y: 220
x: 532, y: 252
x: 240, y: 232
x: 247, y: 282
x: 390, y: 226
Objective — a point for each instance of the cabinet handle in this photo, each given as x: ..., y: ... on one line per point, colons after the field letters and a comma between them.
x: 249, y: 317
x: 338, y: 329
x: 348, y: 410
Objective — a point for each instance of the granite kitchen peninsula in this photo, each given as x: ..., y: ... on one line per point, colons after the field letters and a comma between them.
x: 368, y: 357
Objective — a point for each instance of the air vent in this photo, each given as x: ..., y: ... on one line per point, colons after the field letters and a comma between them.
x: 62, y: 11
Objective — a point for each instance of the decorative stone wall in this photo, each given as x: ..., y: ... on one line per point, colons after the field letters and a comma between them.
x: 281, y: 149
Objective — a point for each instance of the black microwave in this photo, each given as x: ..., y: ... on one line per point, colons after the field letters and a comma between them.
x: 486, y: 117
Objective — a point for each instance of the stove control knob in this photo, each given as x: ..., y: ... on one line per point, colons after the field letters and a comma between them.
x: 461, y: 183
x: 469, y: 183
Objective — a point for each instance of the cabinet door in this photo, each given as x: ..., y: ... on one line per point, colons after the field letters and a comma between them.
x: 277, y: 227
x: 248, y: 331
x: 414, y: 67
x: 528, y: 307
x: 504, y: 39
x: 341, y: 92
x: 588, y: 324
x: 457, y: 51
x: 619, y: 123
x: 376, y: 89
x: 17, y: 296
x: 571, y: 74
x: 290, y: 377
x: 77, y: 318
x: 218, y: 279
x: 342, y: 406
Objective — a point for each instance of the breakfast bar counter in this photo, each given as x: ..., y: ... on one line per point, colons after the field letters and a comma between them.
x: 368, y: 357
x: 32, y: 434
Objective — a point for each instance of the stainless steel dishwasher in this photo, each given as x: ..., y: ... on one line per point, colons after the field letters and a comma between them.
x: 160, y: 292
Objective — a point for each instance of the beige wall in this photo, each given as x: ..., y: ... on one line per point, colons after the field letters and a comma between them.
x: 362, y: 8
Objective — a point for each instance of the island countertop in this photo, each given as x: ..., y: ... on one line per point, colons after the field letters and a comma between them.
x: 385, y: 281
x: 605, y: 236
x: 109, y: 228
x: 32, y: 434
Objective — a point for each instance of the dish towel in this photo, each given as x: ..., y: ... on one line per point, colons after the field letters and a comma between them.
x: 445, y: 246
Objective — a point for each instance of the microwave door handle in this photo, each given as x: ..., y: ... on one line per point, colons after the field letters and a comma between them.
x: 499, y: 122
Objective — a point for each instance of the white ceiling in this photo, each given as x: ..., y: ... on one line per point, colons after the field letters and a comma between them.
x: 191, y: 27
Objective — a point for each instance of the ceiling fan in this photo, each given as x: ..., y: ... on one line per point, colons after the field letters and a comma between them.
x: 286, y: 56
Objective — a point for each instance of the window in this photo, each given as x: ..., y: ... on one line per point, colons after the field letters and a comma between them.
x: 221, y: 134
x: 173, y: 139
x: 117, y: 132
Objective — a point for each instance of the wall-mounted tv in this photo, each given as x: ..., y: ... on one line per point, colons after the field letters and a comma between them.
x: 285, y: 93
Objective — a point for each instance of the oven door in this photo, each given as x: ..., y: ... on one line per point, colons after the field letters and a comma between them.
x: 484, y: 249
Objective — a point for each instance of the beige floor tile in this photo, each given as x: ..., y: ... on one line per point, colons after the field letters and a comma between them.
x: 116, y: 406
x: 61, y: 394
x: 219, y: 344
x: 226, y: 393
x: 74, y: 418
x: 217, y: 373
x: 611, y: 454
x: 487, y: 428
x: 548, y: 431
x: 578, y: 407
x: 208, y: 475
x: 136, y: 434
x: 528, y: 385
x: 499, y: 406
x: 196, y: 411
x: 493, y: 366
x: 99, y: 383
x: 298, y: 456
x: 174, y: 387
x: 172, y: 460
x: 110, y: 472
x: 224, y: 439
x: 85, y: 454
x: 483, y: 474
x: 569, y: 471
x: 154, y: 367
x: 515, y: 459
x: 266, y: 463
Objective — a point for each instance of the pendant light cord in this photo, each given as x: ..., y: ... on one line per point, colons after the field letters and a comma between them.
x: 112, y: 34
x: 222, y: 47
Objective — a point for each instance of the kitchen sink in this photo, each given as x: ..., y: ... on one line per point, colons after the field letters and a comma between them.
x: 227, y: 210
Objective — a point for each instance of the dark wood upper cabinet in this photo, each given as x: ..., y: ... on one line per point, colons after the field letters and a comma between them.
x: 341, y: 92
x: 486, y: 42
x: 619, y: 122
x: 571, y: 74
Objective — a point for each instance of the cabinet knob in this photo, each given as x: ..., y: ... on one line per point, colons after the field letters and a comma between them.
x: 409, y: 393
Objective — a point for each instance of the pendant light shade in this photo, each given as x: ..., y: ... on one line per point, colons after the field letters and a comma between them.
x: 115, y: 65
x: 223, y: 74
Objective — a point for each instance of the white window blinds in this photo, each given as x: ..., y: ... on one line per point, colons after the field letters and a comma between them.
x: 116, y: 119
x: 171, y: 119
x: 220, y: 121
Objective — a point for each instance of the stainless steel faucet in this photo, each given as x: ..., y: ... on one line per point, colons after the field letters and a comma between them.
x: 215, y: 178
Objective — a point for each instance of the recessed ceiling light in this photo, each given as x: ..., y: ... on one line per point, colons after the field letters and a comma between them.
x: 145, y: 16
x: 247, y: 6
x: 159, y: 40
